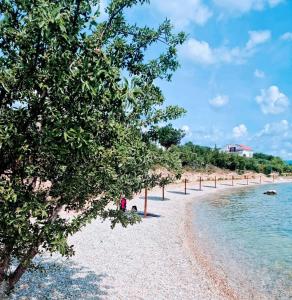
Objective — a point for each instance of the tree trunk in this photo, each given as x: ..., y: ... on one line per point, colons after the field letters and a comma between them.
x: 23, y: 265
x: 3, y: 268
x: 4, y: 264
x: 16, y: 275
x: 4, y: 290
x: 20, y: 270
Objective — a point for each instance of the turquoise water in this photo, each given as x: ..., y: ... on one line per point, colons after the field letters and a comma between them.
x: 249, y: 236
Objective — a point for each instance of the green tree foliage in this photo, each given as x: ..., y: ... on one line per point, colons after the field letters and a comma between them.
x: 198, y: 157
x: 167, y: 136
x: 263, y: 156
x: 71, y: 128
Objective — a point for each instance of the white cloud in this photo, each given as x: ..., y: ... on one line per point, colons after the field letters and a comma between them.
x: 238, y: 6
x: 286, y: 36
x: 272, y: 101
x: 257, y: 38
x: 275, y: 129
x: 198, y: 51
x: 275, y: 2
x: 275, y: 138
x: 244, y: 6
x: 259, y: 74
x: 239, y: 131
x: 187, y: 130
x: 219, y: 101
x: 183, y: 14
x: 201, y: 52
x: 208, y: 136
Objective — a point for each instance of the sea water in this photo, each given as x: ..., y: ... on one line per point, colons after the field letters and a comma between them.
x: 248, y: 236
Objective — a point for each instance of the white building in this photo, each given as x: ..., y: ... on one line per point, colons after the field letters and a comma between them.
x: 238, y: 149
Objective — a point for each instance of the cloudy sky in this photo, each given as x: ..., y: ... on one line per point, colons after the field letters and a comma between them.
x: 235, y: 78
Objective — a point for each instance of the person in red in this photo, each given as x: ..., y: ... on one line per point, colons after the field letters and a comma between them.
x: 123, y: 204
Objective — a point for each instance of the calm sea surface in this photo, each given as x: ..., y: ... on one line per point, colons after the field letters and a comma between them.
x: 248, y: 236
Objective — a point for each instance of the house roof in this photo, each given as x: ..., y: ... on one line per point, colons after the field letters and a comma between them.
x: 244, y: 147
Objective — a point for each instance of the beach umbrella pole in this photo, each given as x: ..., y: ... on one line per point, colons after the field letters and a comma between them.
x: 145, y: 203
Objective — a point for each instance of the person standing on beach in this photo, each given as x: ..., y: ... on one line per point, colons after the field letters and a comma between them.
x: 123, y: 204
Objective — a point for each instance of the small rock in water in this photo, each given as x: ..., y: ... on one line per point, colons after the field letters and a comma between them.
x: 270, y: 192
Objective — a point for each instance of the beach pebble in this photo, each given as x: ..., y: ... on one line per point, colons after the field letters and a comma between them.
x: 144, y: 261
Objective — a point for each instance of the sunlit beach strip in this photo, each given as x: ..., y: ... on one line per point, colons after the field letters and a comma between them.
x: 154, y: 259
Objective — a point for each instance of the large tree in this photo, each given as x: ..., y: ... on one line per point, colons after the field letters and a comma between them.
x: 167, y: 136
x: 73, y: 131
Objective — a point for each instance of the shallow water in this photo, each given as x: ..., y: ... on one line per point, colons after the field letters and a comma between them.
x: 249, y: 238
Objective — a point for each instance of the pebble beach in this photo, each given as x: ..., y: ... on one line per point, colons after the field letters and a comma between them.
x: 155, y: 259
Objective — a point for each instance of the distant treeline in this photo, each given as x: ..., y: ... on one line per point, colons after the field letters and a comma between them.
x: 200, y: 158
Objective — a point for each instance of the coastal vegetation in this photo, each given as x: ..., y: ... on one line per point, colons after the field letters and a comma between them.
x: 200, y: 158
x: 73, y: 130
x: 166, y: 136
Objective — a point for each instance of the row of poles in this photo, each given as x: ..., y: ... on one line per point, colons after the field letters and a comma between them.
x: 215, y: 183
x: 200, y: 188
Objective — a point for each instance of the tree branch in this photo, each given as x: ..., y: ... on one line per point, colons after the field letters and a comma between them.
x: 109, y: 23
x: 76, y: 13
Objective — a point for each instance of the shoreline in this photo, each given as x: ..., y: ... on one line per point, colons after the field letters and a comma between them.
x: 220, y: 280
x: 150, y: 260
x: 197, y: 255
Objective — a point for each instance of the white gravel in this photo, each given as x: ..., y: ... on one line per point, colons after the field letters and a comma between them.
x: 149, y: 260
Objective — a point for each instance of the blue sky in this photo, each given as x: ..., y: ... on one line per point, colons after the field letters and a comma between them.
x: 235, y: 78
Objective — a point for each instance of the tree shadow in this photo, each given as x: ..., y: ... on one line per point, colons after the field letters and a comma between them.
x: 177, y: 192
x: 149, y: 215
x: 61, y: 281
x: 155, y: 198
x: 197, y: 190
x: 210, y: 186
x: 226, y: 184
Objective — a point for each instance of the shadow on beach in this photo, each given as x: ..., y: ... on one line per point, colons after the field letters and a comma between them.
x: 155, y: 198
x: 61, y: 281
x: 178, y: 192
x: 149, y: 215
